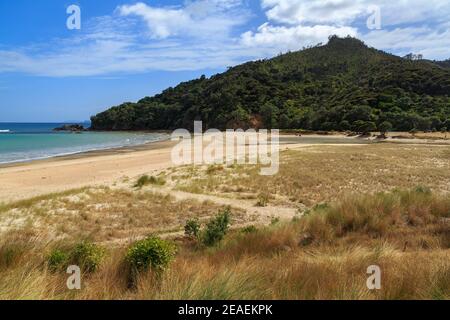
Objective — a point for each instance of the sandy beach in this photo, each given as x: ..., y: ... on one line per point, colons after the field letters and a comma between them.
x: 25, y: 180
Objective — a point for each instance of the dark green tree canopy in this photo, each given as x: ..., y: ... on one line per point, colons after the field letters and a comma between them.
x: 337, y: 86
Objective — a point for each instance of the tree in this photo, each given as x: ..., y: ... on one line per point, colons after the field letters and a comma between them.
x: 356, y: 113
x: 364, y: 127
x: 384, y: 127
x: 269, y: 113
x: 284, y: 121
x: 344, y: 125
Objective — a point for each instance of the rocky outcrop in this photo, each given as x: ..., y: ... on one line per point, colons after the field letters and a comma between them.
x: 70, y: 128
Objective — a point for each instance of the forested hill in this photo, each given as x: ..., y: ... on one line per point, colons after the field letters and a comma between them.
x: 343, y: 85
x: 445, y: 64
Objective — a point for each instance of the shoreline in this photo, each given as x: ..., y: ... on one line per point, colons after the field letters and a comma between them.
x: 88, y: 153
x: 25, y: 180
x: 85, y: 149
x: 19, y: 181
x: 143, y: 147
x: 396, y: 137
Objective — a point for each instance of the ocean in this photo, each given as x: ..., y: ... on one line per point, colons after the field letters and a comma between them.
x: 20, y: 142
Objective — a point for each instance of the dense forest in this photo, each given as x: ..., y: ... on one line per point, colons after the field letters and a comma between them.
x: 343, y: 85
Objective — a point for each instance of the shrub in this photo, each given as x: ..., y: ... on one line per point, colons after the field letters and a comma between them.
x: 57, y: 259
x: 213, y: 169
x: 263, y: 200
x: 422, y: 189
x: 321, y: 206
x: 216, y: 228
x: 146, y: 180
x: 192, y: 228
x: 274, y: 221
x: 152, y: 253
x: 385, y: 127
x: 249, y: 229
x: 87, y: 256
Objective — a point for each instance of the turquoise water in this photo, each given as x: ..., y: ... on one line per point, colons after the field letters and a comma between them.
x: 30, y: 141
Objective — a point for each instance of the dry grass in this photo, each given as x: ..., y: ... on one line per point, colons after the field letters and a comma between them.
x: 422, y: 135
x: 326, y: 173
x: 272, y: 262
x: 103, y: 214
x: 358, y: 217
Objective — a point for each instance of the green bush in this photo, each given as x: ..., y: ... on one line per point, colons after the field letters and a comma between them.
x: 87, y: 256
x: 385, y: 127
x: 192, y: 228
x: 249, y: 229
x: 423, y: 189
x: 57, y: 259
x: 216, y: 228
x: 146, y: 180
x: 152, y: 253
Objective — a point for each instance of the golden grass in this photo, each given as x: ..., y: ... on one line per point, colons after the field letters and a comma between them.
x: 358, y: 217
x: 273, y: 262
x: 104, y: 214
x: 326, y: 173
x: 422, y: 135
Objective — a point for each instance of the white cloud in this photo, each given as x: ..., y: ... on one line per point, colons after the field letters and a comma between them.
x: 207, y: 34
x: 200, y: 19
x: 341, y: 12
x: 190, y: 37
x: 419, y: 26
x: 292, y: 38
x: 433, y: 44
x: 430, y: 12
x: 323, y: 11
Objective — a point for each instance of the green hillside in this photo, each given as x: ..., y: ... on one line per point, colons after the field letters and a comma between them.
x: 444, y: 64
x: 343, y: 85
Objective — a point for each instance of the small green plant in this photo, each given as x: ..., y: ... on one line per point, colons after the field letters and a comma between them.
x: 422, y: 189
x: 87, y: 255
x: 192, y: 228
x: 146, y: 180
x: 249, y: 229
x: 57, y: 259
x: 321, y: 206
x: 213, y: 169
x: 216, y: 228
x: 274, y: 221
x: 263, y: 199
x: 151, y: 252
x: 142, y: 181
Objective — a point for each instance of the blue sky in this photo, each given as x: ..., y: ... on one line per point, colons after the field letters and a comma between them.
x: 126, y: 50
